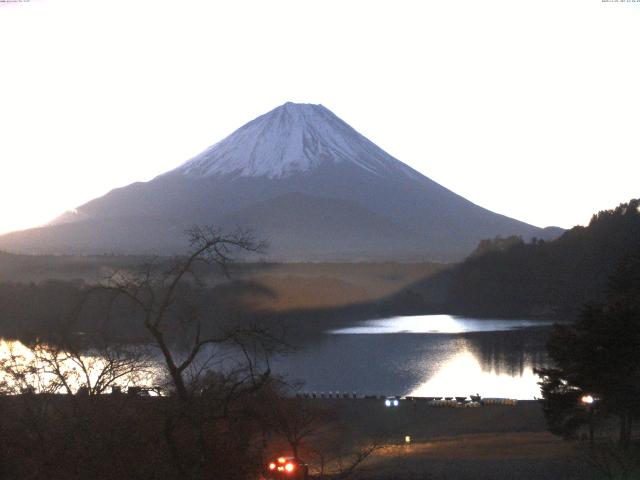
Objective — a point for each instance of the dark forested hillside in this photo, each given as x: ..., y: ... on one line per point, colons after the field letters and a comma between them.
x: 39, y: 293
x: 508, y: 277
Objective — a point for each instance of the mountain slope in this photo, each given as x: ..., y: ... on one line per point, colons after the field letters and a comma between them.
x: 393, y: 211
x: 340, y: 230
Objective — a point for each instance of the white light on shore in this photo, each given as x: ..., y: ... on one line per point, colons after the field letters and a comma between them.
x: 587, y: 399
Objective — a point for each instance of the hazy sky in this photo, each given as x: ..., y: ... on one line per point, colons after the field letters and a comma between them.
x: 528, y: 108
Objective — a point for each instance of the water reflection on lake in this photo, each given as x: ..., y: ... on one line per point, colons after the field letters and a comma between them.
x: 46, y: 370
x: 436, y: 324
x: 462, y: 374
x: 428, y: 356
x: 434, y: 355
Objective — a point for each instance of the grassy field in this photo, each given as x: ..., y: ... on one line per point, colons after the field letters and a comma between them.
x: 490, y: 442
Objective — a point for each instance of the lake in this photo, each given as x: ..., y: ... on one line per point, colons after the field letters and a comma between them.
x: 427, y: 355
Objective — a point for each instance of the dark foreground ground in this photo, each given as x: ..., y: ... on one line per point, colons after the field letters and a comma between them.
x: 117, y: 437
x: 490, y: 442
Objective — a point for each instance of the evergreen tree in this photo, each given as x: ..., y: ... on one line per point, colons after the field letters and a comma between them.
x: 599, y: 355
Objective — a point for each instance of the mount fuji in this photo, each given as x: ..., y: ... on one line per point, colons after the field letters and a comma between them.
x: 299, y: 177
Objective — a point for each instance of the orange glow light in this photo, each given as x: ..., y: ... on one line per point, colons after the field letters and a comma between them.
x: 272, y: 466
x: 281, y: 460
x: 289, y: 467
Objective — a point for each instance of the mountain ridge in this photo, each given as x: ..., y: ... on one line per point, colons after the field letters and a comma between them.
x: 294, y: 148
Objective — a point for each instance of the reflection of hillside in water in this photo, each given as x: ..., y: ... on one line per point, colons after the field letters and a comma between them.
x: 509, y: 352
x: 496, y: 364
x: 493, y: 363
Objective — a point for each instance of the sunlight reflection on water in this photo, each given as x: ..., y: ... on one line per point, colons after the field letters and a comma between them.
x: 436, y: 324
x: 429, y: 355
x: 458, y: 371
x: 37, y: 372
x: 462, y: 374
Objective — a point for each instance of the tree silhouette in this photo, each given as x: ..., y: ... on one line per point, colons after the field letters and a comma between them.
x: 598, y: 355
x: 172, y: 309
x: 509, y: 278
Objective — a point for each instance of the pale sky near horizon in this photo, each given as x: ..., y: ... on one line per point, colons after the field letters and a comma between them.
x: 530, y: 109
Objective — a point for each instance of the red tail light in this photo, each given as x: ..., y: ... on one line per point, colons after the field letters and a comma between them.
x: 272, y: 466
x: 289, y: 467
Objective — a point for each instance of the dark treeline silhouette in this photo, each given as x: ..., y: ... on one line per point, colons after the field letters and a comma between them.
x: 29, y: 311
x: 594, y: 375
x: 507, y: 277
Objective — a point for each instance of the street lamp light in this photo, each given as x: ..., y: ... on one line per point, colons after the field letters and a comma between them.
x: 589, y: 402
x: 587, y: 399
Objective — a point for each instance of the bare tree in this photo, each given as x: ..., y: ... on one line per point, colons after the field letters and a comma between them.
x: 296, y: 420
x: 317, y: 434
x: 353, y: 462
x: 22, y: 372
x: 171, y: 312
x: 216, y: 370
x: 341, y: 459
x: 214, y: 367
x: 91, y: 369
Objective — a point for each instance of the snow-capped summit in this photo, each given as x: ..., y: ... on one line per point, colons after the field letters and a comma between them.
x: 299, y: 177
x: 292, y: 138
